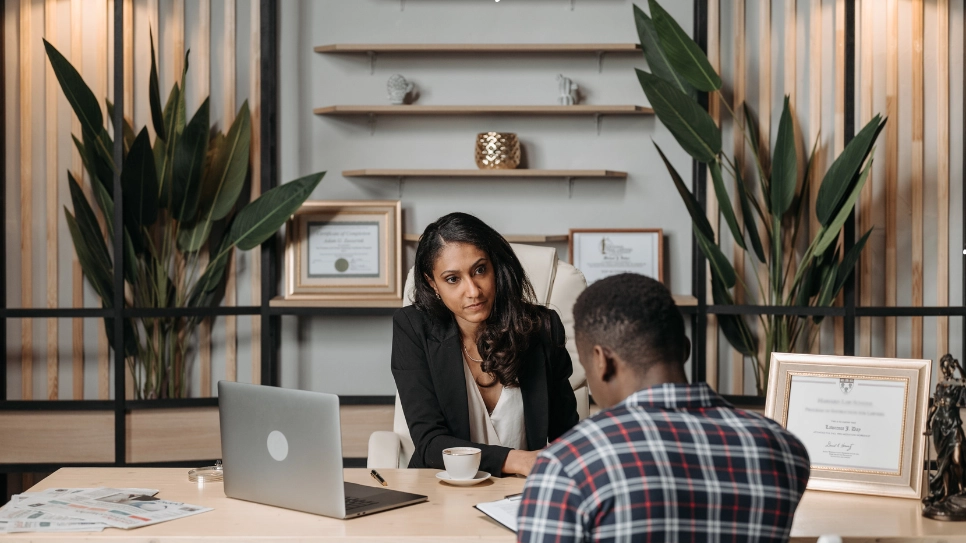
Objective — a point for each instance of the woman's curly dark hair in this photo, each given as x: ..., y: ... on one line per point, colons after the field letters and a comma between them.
x: 515, y: 317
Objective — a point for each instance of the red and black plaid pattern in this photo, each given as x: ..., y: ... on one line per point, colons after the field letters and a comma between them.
x: 670, y: 463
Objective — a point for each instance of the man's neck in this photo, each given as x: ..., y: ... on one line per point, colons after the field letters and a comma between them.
x: 657, y: 374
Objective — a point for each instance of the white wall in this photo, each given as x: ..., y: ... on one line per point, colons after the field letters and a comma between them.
x: 351, y: 355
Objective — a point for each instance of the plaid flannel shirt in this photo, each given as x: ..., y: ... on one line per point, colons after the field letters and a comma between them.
x: 670, y: 463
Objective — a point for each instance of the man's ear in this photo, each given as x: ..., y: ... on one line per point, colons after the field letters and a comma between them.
x: 605, y: 363
x: 687, y: 350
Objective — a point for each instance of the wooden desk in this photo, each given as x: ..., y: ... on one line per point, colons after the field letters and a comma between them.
x: 449, y: 515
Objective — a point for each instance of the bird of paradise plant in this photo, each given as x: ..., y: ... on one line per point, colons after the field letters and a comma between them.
x: 181, y: 195
x: 772, y: 210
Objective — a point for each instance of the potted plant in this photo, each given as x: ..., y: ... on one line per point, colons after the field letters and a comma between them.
x: 181, y: 194
x: 773, y: 201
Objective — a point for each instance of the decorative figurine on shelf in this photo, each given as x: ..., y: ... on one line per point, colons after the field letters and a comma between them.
x: 398, y: 88
x: 947, y: 486
x: 568, y: 91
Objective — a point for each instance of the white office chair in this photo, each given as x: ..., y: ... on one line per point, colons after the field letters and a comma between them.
x: 557, y: 285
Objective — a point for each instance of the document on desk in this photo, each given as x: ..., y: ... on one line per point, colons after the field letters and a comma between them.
x: 503, y: 511
x: 79, y: 509
x: 849, y: 424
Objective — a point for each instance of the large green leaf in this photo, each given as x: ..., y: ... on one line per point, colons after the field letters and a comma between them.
x: 841, y: 175
x: 154, y: 94
x: 849, y: 261
x: 95, y: 269
x: 99, y: 171
x: 87, y: 222
x: 828, y: 234
x: 128, y: 130
x: 230, y: 167
x: 751, y: 127
x: 140, y: 184
x: 749, y: 218
x: 698, y: 217
x: 165, y: 148
x: 189, y: 159
x: 784, y: 172
x: 733, y: 327
x: 260, y: 219
x: 657, y: 61
x: 684, y: 55
x: 690, y: 125
x: 719, y: 263
x: 192, y: 238
x: 724, y: 204
x: 78, y: 94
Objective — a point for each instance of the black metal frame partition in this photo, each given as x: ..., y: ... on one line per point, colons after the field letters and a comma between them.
x: 271, y: 316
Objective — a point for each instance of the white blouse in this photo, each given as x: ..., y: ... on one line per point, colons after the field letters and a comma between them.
x: 505, y: 426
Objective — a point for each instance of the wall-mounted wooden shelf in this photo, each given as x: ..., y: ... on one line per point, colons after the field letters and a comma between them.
x: 450, y: 48
x: 513, y: 238
x: 685, y: 300
x: 484, y: 110
x: 519, y: 173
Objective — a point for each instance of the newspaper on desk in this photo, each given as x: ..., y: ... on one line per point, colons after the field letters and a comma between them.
x: 90, y: 509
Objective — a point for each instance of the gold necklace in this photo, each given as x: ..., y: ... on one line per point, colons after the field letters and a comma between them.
x: 479, y: 360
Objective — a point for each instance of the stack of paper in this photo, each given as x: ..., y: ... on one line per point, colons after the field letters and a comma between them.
x: 89, y: 510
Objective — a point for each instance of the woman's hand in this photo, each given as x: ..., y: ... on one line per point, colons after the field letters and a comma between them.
x: 519, y: 462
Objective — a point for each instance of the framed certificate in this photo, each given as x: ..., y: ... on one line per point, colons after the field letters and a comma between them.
x: 600, y: 253
x: 861, y: 419
x: 344, y: 251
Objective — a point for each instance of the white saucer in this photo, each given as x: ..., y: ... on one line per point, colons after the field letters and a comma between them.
x: 480, y: 477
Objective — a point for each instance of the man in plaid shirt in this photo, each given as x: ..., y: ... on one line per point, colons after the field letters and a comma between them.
x: 664, y: 460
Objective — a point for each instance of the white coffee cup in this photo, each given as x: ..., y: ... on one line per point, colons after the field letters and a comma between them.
x: 462, y: 463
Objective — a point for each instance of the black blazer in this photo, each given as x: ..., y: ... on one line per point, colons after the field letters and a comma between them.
x: 427, y: 363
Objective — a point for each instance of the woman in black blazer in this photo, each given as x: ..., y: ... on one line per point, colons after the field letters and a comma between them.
x: 473, y: 303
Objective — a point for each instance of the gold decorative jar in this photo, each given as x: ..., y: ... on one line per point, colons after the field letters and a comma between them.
x: 497, y: 151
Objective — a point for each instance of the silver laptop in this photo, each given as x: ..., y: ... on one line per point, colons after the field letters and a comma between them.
x: 284, y: 447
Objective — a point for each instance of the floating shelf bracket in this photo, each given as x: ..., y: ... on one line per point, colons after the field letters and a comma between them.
x: 597, y: 118
x: 572, y: 3
x: 372, y: 62
x: 570, y: 187
x: 399, y: 185
x: 600, y: 61
x: 402, y: 5
x: 372, y: 124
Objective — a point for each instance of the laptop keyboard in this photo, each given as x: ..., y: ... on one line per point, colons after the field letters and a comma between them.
x: 355, y: 503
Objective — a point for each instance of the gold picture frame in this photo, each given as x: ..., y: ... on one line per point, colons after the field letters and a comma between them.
x: 344, y: 252
x: 861, y: 419
x: 593, y: 264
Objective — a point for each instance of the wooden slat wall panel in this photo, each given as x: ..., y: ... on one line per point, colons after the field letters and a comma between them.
x: 737, y: 359
x: 815, y: 68
x: 204, y: 87
x: 51, y: 90
x: 714, y: 108
x: 866, y: 218
x: 100, y: 90
x: 77, y: 167
x: 917, y: 149
x: 892, y: 169
x: 231, y: 288
x: 255, y: 98
x: 56, y: 436
x: 942, y: 174
x: 839, y: 137
x: 26, y: 198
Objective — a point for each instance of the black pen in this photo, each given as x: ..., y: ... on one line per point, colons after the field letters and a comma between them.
x: 513, y: 496
x: 376, y: 476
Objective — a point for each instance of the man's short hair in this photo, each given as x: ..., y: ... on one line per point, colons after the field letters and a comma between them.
x: 633, y: 315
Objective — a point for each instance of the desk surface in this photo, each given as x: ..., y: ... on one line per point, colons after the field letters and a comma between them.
x: 449, y: 515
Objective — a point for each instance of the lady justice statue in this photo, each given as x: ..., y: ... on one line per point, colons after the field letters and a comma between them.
x: 947, y: 486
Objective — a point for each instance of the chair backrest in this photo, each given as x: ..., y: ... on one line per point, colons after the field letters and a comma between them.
x: 556, y: 285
